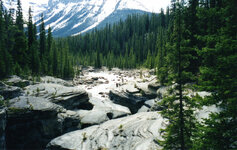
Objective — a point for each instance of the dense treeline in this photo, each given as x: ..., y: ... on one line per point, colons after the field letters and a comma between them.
x: 124, y: 44
x: 22, y: 53
x: 201, y: 49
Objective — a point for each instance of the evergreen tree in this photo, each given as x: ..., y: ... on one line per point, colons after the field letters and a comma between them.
x: 33, y: 46
x: 19, y: 17
x: 178, y: 134
x: 218, y: 75
x: 49, y: 51
x: 20, y: 46
x: 42, y: 47
x: 31, y: 38
x: 98, y: 60
x: 160, y: 59
x: 42, y: 37
x: 2, y: 43
x: 55, y: 59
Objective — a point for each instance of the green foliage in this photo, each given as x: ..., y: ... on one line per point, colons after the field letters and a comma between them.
x: 22, y: 54
x: 127, y: 44
x: 15, y: 110
x: 202, y: 49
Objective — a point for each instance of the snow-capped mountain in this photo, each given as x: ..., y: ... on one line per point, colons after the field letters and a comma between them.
x: 72, y: 17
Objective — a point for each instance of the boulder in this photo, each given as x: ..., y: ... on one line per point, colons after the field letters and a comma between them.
x: 2, y: 129
x: 9, y: 92
x: 70, y: 121
x: 139, y: 131
x: 49, y: 79
x: 154, y: 86
x: 103, y: 110
x: 94, y: 117
x: 68, y: 97
x: 143, y: 109
x: 31, y: 123
x: 163, y: 91
x: 133, y: 102
x: 131, y: 89
x: 151, y: 105
x: 145, y: 91
x: 17, y: 81
x: 108, y: 107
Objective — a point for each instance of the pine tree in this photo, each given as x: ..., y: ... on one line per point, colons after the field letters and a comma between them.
x: 33, y: 46
x: 178, y: 134
x: 2, y: 43
x: 55, y: 59
x: 98, y: 60
x: 42, y: 46
x: 218, y: 75
x: 20, y: 46
x: 30, y: 30
x: 42, y: 37
x: 49, y: 51
x: 160, y: 59
x: 19, y: 16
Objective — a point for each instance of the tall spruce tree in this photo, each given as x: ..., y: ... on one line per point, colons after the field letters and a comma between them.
x: 20, y: 46
x: 3, y: 66
x: 33, y: 46
x: 49, y: 51
x: 179, y: 133
x: 42, y: 46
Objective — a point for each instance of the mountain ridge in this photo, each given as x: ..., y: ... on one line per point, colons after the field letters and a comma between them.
x: 73, y: 17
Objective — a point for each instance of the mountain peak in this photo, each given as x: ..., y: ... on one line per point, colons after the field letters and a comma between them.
x: 72, y: 17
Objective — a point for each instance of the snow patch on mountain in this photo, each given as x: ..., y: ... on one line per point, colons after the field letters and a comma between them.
x: 72, y: 17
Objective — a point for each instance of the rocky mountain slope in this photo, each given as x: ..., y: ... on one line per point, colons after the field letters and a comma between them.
x: 72, y: 17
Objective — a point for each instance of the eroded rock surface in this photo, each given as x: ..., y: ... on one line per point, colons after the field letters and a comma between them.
x: 68, y: 97
x: 9, y: 92
x: 49, y: 79
x: 2, y: 129
x: 31, y: 123
x: 138, y: 132
x: 133, y: 102
x: 102, y: 111
x: 17, y: 81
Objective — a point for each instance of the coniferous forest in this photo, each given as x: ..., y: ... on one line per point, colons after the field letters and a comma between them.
x: 24, y: 53
x: 193, y: 41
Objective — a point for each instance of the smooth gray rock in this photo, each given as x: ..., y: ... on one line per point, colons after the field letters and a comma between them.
x: 94, y: 117
x: 17, y: 81
x: 68, y: 97
x: 49, y: 79
x: 32, y: 122
x: 163, y: 91
x: 70, y: 121
x: 136, y: 132
x: 143, y: 109
x: 145, y: 91
x: 9, y: 92
x: 130, y: 88
x: 133, y: 102
x: 154, y: 86
x: 2, y: 129
x: 112, y: 110
x: 103, y: 110
x: 151, y: 105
